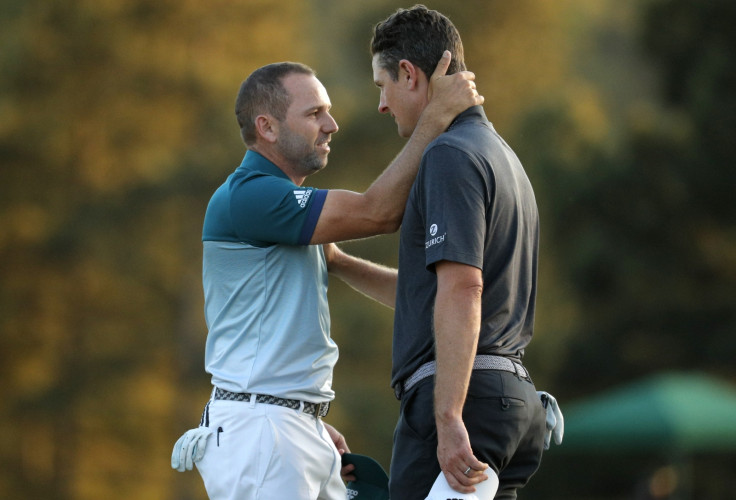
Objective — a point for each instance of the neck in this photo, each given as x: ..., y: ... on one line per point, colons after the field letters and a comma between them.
x: 277, y: 159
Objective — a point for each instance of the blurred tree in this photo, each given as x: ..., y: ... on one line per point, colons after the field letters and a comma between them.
x: 643, y: 232
x: 116, y: 125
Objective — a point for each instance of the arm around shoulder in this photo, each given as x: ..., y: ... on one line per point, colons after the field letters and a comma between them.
x: 349, y: 215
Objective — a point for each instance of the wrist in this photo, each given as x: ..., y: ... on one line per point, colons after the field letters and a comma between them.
x: 333, y: 257
x: 448, y: 416
x: 434, y: 120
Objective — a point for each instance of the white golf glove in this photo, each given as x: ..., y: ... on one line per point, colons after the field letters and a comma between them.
x: 190, y: 448
x: 555, y: 420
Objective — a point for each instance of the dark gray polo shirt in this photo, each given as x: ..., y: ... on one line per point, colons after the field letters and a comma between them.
x: 471, y: 203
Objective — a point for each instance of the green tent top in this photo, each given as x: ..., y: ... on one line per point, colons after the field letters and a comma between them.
x: 674, y: 412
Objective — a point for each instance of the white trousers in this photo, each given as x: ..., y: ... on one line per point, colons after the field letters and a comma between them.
x: 267, y: 452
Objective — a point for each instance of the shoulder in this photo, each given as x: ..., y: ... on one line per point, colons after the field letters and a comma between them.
x: 464, y: 145
x: 256, y: 187
x: 253, y: 179
x: 467, y: 135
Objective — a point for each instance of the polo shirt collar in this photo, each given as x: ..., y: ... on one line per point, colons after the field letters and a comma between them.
x: 256, y: 162
x: 470, y: 114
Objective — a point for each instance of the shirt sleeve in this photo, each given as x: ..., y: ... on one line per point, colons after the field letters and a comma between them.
x: 455, y: 201
x: 268, y: 210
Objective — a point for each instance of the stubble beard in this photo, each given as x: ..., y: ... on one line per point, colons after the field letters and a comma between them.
x: 313, y: 162
x: 301, y: 154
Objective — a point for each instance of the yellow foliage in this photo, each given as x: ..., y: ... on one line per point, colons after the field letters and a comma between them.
x: 116, y: 124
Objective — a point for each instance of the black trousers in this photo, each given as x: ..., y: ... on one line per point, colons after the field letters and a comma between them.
x: 505, y: 420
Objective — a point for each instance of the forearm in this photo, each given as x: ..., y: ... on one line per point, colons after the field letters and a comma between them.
x: 448, y: 97
x: 373, y: 280
x: 388, y: 194
x: 457, y: 325
x: 347, y: 215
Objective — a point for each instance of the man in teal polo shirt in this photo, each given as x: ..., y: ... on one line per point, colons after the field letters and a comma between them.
x: 268, y: 347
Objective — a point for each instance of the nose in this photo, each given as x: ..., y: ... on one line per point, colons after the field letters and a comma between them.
x: 382, y: 108
x: 330, y: 126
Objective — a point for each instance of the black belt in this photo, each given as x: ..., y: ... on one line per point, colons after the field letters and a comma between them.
x: 481, y: 362
x: 316, y: 409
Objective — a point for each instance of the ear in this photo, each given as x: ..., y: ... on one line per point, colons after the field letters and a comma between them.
x: 267, y: 127
x: 409, y: 74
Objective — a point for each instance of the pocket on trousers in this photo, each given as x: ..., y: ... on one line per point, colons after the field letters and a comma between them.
x: 267, y: 444
x: 512, y: 403
x: 495, y: 389
x: 417, y: 413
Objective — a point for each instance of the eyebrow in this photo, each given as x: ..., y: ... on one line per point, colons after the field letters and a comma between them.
x: 317, y: 107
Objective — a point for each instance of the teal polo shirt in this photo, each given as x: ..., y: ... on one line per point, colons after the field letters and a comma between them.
x: 265, y: 287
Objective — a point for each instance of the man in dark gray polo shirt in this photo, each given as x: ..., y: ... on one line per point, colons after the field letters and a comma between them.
x: 466, y: 285
x: 471, y: 420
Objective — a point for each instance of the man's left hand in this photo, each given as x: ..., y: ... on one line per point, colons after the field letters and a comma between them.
x: 342, y: 448
x: 456, y: 457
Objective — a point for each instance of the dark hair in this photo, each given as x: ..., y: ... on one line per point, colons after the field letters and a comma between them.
x: 419, y: 35
x: 263, y: 92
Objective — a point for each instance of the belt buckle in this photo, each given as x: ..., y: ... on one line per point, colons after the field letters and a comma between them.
x: 322, y: 409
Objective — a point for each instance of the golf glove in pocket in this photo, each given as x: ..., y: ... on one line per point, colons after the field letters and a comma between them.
x: 555, y: 420
x: 190, y: 448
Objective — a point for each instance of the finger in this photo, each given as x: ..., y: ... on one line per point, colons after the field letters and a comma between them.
x: 473, y: 471
x: 198, y: 452
x: 176, y: 454
x: 183, y: 454
x: 476, y: 465
x: 193, y: 450
x: 466, y: 75
x: 467, y: 484
x: 345, y: 472
x: 442, y: 65
x: 459, y: 482
x: 465, y: 475
x: 344, y: 445
x: 470, y: 460
x: 341, y: 445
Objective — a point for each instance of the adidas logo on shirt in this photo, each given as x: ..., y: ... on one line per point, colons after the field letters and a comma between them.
x: 302, y: 196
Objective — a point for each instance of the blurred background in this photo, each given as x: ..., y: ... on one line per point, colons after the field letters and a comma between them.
x: 117, y: 124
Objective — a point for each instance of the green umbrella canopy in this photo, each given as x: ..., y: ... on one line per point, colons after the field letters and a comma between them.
x: 670, y: 412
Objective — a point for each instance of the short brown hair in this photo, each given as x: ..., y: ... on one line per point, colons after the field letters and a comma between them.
x: 263, y: 92
x: 419, y: 35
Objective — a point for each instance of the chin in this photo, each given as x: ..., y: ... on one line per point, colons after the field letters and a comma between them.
x: 405, y: 132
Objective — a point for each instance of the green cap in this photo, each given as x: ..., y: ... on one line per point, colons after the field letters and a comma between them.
x: 371, y: 481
